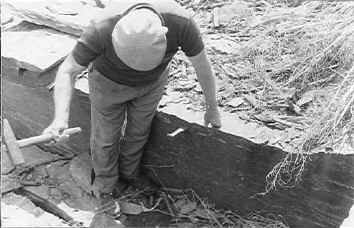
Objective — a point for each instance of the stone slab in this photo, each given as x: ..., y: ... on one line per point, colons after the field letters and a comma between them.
x: 226, y: 169
x: 67, y: 16
x: 37, y: 50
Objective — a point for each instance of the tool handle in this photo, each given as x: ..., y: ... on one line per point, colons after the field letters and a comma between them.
x: 45, y: 138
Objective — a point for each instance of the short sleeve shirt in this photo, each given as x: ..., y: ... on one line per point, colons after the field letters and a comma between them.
x: 95, y: 45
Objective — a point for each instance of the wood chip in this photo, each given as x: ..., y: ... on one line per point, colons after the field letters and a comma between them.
x: 176, y: 132
x: 216, y: 18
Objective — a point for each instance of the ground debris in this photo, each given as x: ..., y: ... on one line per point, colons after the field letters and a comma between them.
x: 193, y: 211
x: 187, y: 209
x: 285, y: 60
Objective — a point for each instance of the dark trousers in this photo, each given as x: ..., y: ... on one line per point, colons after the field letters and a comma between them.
x: 112, y: 105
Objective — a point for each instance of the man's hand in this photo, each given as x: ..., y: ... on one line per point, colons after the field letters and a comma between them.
x: 56, y: 129
x: 212, y: 117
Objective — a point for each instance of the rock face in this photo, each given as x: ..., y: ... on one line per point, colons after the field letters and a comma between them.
x: 227, y: 169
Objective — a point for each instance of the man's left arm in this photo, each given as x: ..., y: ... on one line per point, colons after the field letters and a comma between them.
x: 206, y: 79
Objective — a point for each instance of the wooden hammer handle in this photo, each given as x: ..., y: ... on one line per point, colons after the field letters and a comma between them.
x: 45, y: 138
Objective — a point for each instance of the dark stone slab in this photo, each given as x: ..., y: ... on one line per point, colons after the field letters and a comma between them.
x: 227, y: 169
x: 30, y: 111
x: 231, y: 170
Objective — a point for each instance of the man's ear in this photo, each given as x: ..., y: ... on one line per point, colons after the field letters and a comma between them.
x: 164, y: 29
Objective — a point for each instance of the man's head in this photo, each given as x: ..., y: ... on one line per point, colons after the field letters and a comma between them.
x: 139, y: 39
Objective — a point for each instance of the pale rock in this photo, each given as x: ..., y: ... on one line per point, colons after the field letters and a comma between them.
x: 55, y: 14
x: 222, y: 45
x: 238, y: 10
x: 349, y: 221
x: 15, y: 216
x: 85, y: 217
x: 35, y: 50
x: 235, y: 102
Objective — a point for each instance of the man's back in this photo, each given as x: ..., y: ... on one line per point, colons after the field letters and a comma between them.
x: 96, y: 42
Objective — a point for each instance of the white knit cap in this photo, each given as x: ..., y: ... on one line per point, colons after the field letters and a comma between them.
x: 139, y: 39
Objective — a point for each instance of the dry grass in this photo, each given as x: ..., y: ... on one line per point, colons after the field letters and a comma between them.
x: 197, y: 212
x: 309, y: 48
x: 284, y: 54
x: 335, y: 127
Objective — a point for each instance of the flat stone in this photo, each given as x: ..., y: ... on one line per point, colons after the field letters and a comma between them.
x: 20, y: 107
x: 237, y: 10
x: 16, y: 216
x: 73, y: 192
x: 54, y: 15
x: 22, y: 202
x: 41, y: 190
x: 34, y: 155
x: 80, y: 171
x: 35, y: 50
x: 222, y: 45
x: 83, y: 216
x: 9, y: 184
x: 6, y: 16
x: 104, y: 221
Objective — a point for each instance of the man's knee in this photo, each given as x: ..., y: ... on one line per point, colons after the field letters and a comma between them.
x: 137, y: 132
x: 136, y: 135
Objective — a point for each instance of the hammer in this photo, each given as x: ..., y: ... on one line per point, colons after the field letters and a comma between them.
x: 13, y: 145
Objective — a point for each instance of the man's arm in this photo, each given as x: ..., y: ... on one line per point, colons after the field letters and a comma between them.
x: 64, y: 83
x: 206, y: 79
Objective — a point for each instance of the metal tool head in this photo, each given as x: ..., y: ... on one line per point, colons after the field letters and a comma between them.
x: 11, y: 143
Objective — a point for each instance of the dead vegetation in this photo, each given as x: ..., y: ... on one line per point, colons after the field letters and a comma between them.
x: 193, y: 211
x: 287, y: 65
x: 188, y: 209
x: 322, y: 60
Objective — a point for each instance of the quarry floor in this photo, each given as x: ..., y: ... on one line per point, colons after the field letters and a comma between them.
x: 65, y: 192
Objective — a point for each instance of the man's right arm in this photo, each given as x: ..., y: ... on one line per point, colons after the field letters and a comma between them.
x: 64, y: 83
x: 88, y: 47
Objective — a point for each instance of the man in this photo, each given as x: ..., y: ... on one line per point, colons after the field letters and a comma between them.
x: 129, y: 49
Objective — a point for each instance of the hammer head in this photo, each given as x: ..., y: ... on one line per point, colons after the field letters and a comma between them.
x: 11, y: 143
